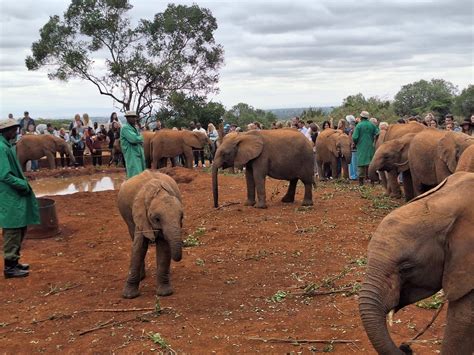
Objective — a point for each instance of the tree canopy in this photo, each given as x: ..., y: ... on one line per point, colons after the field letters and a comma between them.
x: 180, y: 110
x: 175, y: 52
x: 354, y: 104
x: 464, y: 103
x: 422, y: 96
x: 242, y: 114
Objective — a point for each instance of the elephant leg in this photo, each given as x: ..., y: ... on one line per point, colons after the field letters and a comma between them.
x: 250, y: 186
x: 345, y: 169
x: 131, y: 231
x: 290, y: 194
x: 154, y: 162
x: 417, y: 186
x: 458, y: 336
x: 139, y: 249
x: 259, y: 179
x: 392, y: 181
x: 322, y: 175
x: 334, y: 168
x: 51, y: 160
x: 408, y: 185
x: 308, y: 193
x: 189, y: 157
x: 163, y: 261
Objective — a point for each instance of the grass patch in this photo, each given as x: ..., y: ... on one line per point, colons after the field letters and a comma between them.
x: 156, y: 338
x: 279, y: 296
x: 192, y: 240
x: 434, y: 302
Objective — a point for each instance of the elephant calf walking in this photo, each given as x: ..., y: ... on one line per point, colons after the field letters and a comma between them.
x: 150, y: 204
x: 283, y: 154
x: 34, y: 147
x: 332, y: 146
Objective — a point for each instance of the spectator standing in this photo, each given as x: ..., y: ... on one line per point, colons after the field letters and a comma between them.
x: 65, y: 137
x: 77, y: 141
x: 77, y: 124
x: 51, y: 130
x: 364, y: 137
x: 199, y: 153
x: 467, y: 127
x: 353, y: 165
x: 131, y: 142
x: 18, y: 204
x: 449, y: 121
x: 87, y: 121
x: 433, y: 123
x: 326, y: 125
x: 26, y: 121
x: 114, y: 118
x: 213, y: 136
x: 157, y: 126
x: 94, y: 143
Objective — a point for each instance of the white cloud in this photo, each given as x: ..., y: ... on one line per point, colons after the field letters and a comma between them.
x: 277, y: 53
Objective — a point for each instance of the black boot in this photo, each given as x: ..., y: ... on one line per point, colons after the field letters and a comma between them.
x: 23, y: 266
x: 361, y: 181
x: 11, y: 270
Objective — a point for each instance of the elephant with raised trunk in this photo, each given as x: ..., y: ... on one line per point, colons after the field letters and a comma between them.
x: 332, y: 145
x: 168, y: 143
x: 34, y: 147
x: 150, y: 204
x: 395, y: 131
x: 283, y: 154
x: 416, y: 250
x: 392, y: 157
x: 433, y: 155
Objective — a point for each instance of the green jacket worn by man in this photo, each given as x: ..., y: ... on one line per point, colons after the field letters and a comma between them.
x: 364, y: 137
x: 18, y: 204
x: 131, y: 142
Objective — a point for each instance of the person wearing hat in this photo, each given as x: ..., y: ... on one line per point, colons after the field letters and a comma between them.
x: 364, y: 138
x: 131, y: 142
x: 467, y: 126
x: 18, y: 204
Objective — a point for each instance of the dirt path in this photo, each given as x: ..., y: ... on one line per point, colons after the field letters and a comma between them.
x: 245, y: 279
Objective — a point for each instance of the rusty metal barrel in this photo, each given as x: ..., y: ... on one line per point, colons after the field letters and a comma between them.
x: 49, y: 226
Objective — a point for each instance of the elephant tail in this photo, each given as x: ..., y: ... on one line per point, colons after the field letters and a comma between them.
x: 149, y: 163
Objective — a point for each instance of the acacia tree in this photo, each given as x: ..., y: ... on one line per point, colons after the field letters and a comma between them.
x: 137, y: 66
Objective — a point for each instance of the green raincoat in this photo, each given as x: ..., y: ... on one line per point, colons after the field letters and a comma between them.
x: 131, y: 142
x: 364, y: 137
x: 18, y: 204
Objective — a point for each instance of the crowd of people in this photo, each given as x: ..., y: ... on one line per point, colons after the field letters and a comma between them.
x: 88, y: 138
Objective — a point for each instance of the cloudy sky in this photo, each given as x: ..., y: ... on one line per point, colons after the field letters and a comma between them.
x: 278, y: 54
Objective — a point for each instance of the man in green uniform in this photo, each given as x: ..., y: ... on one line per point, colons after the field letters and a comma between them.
x: 364, y: 138
x: 18, y: 204
x: 131, y: 142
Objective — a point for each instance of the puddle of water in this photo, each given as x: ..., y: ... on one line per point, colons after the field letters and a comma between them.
x: 71, y: 185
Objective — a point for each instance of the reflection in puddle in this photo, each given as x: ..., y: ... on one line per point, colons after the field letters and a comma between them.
x: 71, y: 185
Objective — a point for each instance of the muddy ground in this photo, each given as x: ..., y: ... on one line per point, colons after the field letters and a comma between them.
x: 285, y: 272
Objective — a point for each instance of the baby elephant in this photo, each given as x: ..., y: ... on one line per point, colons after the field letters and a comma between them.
x: 150, y: 204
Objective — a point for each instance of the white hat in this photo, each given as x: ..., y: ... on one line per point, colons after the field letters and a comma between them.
x: 365, y: 114
x: 350, y: 118
x: 130, y: 113
x: 10, y: 122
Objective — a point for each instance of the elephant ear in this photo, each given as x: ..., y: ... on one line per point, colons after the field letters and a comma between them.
x: 335, y: 142
x: 459, y: 262
x: 193, y: 139
x: 172, y: 190
x: 140, y: 206
x: 448, y: 151
x: 249, y: 146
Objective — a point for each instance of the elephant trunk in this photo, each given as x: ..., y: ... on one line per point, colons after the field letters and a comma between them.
x: 374, y: 306
x: 373, y: 176
x: 215, y: 187
x: 173, y: 236
x: 71, y: 155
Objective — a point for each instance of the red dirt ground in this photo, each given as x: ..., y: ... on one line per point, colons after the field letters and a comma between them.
x: 223, y: 287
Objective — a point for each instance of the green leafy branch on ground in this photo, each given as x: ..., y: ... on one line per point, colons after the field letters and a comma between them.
x: 193, y: 239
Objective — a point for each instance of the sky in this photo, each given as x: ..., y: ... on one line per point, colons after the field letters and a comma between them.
x: 278, y: 54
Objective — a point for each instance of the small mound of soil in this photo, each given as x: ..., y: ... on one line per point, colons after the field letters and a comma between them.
x: 179, y: 174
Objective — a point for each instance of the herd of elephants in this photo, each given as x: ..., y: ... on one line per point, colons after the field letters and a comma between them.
x: 422, y: 247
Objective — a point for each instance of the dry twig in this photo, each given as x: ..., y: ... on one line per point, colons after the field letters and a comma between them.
x: 227, y: 205
x: 123, y: 309
x: 55, y: 290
